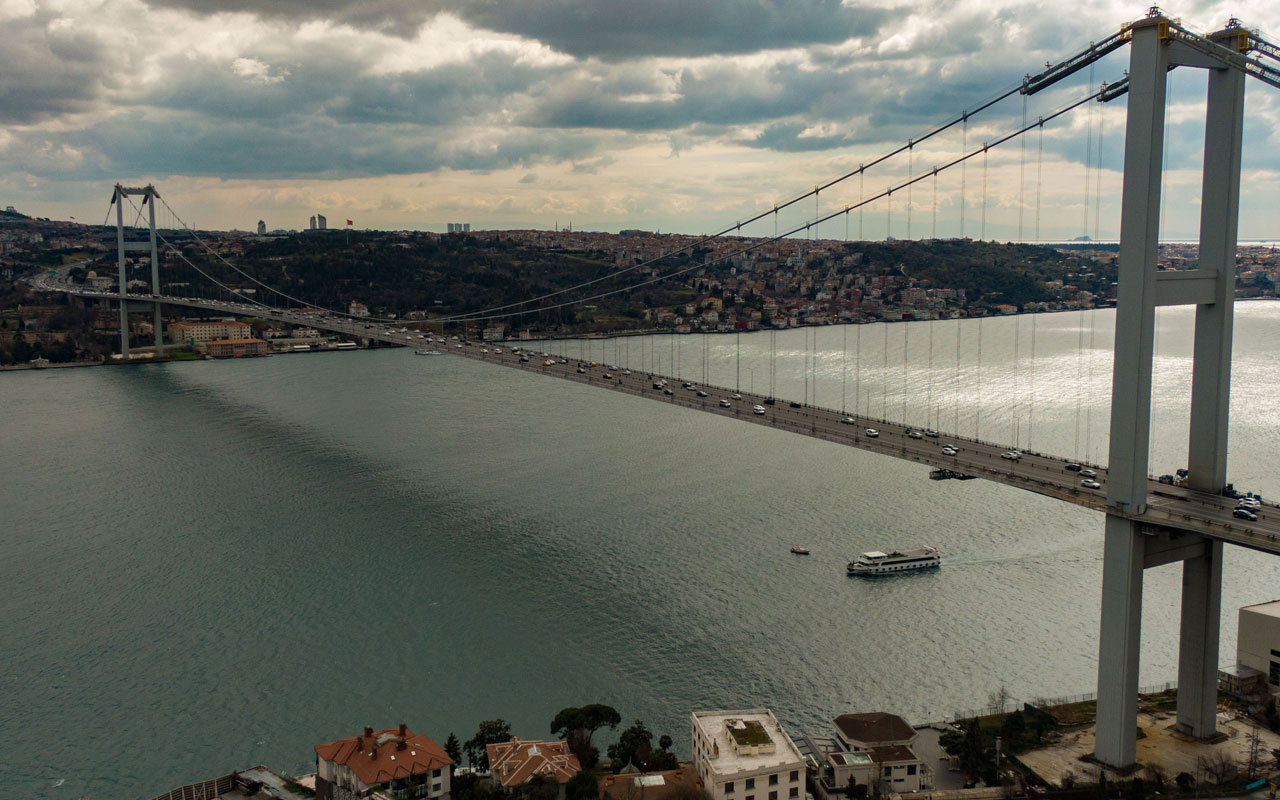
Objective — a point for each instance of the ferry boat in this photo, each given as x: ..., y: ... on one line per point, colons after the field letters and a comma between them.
x: 878, y: 563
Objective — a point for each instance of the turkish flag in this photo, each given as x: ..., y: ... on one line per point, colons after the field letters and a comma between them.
x: 349, y: 222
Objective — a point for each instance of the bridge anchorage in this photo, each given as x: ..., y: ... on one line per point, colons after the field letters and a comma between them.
x: 1138, y: 534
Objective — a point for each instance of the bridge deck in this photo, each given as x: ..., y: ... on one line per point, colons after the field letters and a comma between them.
x: 1169, y: 507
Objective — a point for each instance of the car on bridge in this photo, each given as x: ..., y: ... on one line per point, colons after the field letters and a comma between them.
x: 701, y: 393
x: 1012, y: 455
x: 1245, y: 513
x: 735, y: 396
x: 758, y: 410
x: 1073, y: 468
x: 1090, y: 483
x: 931, y: 433
x: 849, y: 421
x: 1088, y: 473
x: 794, y: 404
x: 914, y: 434
x: 872, y: 433
x: 726, y: 404
x: 950, y: 451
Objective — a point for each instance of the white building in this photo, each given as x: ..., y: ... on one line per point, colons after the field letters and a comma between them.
x: 1258, y: 644
x: 322, y: 222
x: 886, y: 739
x: 387, y: 764
x: 746, y: 755
x: 357, y: 309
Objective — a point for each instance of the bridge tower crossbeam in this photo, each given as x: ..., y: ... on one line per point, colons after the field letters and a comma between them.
x: 1131, y: 547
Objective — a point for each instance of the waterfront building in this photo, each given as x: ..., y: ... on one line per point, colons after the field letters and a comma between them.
x: 394, y: 762
x: 886, y: 739
x: 1257, y: 668
x: 201, y: 332
x: 516, y: 762
x: 746, y: 755
x: 236, y: 348
x: 357, y: 309
x: 649, y: 785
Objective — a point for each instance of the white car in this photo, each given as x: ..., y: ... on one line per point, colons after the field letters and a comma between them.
x: 1012, y: 455
x: 915, y: 434
x: 1090, y: 483
x: 949, y: 451
x: 758, y: 410
x: 726, y: 404
x: 849, y: 421
x: 1088, y: 473
x: 872, y: 433
x: 736, y: 396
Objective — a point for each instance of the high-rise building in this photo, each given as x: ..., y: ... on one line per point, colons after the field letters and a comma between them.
x: 321, y: 221
x: 262, y: 228
x: 466, y: 227
x: 313, y: 222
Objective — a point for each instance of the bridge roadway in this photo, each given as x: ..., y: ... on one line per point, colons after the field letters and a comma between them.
x: 1169, y: 508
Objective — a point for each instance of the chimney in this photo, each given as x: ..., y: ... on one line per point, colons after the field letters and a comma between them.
x: 368, y: 731
x: 359, y: 744
x: 400, y: 745
x: 404, y: 731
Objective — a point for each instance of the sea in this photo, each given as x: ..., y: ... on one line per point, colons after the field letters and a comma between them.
x: 212, y: 565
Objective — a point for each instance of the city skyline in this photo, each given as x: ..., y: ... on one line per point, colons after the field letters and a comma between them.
x: 539, y: 115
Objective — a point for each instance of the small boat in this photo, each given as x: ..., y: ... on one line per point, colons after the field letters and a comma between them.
x: 426, y: 352
x: 876, y: 562
x: 800, y: 551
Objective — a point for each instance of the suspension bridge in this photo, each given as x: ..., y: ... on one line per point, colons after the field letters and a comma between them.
x: 1148, y: 523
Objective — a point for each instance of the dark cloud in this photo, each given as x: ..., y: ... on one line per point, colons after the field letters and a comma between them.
x: 51, y: 70
x: 605, y: 29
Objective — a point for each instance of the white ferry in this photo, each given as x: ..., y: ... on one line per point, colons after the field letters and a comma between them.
x: 878, y: 563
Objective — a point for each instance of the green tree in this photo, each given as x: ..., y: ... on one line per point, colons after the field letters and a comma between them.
x: 453, y: 749
x: 664, y: 742
x: 577, y: 726
x: 634, y: 745
x: 582, y: 786
x: 492, y: 731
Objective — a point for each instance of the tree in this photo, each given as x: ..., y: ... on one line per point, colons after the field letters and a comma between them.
x: 453, y: 749
x: 998, y: 699
x: 492, y: 731
x: 1218, y: 766
x: 539, y: 787
x: 577, y: 726
x: 634, y: 745
x: 664, y: 742
x: 1253, y: 762
x: 1184, y: 781
x: 582, y: 786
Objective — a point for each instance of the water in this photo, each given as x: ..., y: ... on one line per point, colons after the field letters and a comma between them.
x: 213, y: 565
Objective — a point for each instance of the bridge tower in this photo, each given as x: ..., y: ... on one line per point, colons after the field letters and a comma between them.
x: 1131, y: 547
x: 149, y: 195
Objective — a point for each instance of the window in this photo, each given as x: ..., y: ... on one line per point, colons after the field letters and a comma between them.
x: 795, y: 791
x: 888, y: 772
x: 751, y: 783
x: 795, y: 775
x: 1275, y: 673
x: 911, y: 769
x: 728, y: 787
x: 773, y: 780
x: 773, y: 796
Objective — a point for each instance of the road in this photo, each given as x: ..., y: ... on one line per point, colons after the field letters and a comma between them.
x: 1168, y: 506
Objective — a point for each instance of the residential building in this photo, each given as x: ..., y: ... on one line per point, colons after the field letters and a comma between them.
x: 648, y: 786
x: 357, y: 309
x: 322, y: 222
x: 393, y: 764
x: 886, y: 739
x: 262, y: 228
x: 201, y: 332
x: 236, y: 348
x: 495, y: 333
x: 313, y: 222
x: 516, y: 762
x: 746, y: 755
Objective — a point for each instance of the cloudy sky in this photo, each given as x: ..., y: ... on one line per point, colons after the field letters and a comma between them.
x: 681, y: 115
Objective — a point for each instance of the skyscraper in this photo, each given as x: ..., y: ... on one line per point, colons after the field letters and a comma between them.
x: 324, y: 223
x: 313, y: 222
x: 262, y: 227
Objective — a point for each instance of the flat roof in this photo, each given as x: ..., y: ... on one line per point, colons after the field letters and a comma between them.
x: 1270, y: 608
x: 849, y: 759
x: 712, y: 724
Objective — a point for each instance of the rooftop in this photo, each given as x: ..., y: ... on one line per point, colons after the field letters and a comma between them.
x: 729, y: 760
x: 874, y: 727
x: 377, y: 757
x: 515, y: 762
x: 1270, y: 609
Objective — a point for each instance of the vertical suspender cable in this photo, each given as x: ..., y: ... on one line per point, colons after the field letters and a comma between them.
x: 1031, y: 406
x: 1079, y: 381
x: 1088, y: 411
x: 1039, y: 175
x: 884, y: 375
x: 930, y: 423
x: 861, y: 180
x: 933, y: 230
x: 964, y: 166
x: 977, y: 409
x: 737, y: 377
x: 888, y: 215
x: 910, y: 172
x: 1088, y: 160
x: 906, y: 332
x: 1022, y: 169
x: 955, y: 392
x: 1097, y: 180
x: 844, y: 367
x: 982, y: 235
x: 1017, y: 385
x: 857, y: 370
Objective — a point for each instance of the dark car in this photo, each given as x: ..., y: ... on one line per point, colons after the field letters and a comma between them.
x: 667, y: 391
x: 1073, y: 468
x: 794, y: 404
x: 1244, y: 513
x: 768, y: 401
